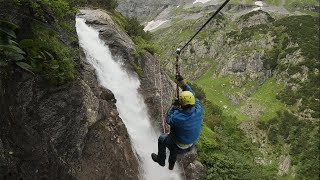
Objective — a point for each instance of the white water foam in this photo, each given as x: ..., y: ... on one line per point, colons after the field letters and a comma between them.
x: 130, y: 104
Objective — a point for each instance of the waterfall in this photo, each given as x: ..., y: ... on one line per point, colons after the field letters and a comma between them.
x: 130, y: 104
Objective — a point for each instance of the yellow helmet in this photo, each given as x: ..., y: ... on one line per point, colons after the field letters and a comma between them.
x: 186, y: 98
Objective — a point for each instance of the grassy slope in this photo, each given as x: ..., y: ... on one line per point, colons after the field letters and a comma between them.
x: 265, y: 95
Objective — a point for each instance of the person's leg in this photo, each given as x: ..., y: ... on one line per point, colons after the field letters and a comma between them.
x: 172, y: 158
x: 173, y: 152
x: 162, y: 149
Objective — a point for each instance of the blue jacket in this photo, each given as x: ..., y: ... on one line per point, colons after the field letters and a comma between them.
x: 185, y: 124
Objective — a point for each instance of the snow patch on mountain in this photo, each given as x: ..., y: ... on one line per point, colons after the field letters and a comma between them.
x: 259, y: 3
x: 201, y: 1
x: 154, y: 24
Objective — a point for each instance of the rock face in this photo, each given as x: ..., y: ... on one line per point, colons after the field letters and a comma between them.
x: 144, y: 9
x: 71, y: 131
x: 192, y: 169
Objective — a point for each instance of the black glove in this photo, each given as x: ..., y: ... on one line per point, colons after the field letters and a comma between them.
x: 179, y: 78
x: 180, y: 81
x: 175, y: 102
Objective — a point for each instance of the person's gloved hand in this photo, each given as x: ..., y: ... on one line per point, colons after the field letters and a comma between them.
x: 175, y: 102
x: 179, y: 78
x: 180, y: 81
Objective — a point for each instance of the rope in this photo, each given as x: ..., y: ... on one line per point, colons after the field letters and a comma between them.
x: 177, y: 70
x: 224, y: 4
x: 184, y: 173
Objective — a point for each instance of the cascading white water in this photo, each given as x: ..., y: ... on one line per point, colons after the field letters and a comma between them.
x: 130, y: 104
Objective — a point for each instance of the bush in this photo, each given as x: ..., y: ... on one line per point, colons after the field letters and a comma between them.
x: 200, y: 94
x: 303, y: 139
x: 10, y: 51
x: 142, y: 45
x: 104, y: 4
x: 270, y: 59
x: 49, y: 56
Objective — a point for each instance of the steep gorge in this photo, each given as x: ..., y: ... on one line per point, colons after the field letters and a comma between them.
x: 260, y: 66
x: 69, y: 131
x: 73, y: 130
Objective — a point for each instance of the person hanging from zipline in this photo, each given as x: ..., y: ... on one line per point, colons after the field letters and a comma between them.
x: 185, y: 119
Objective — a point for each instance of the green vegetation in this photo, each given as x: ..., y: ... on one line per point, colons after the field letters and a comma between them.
x: 42, y: 49
x: 222, y: 146
x: 303, y: 137
x: 11, y: 53
x: 54, y: 60
x: 224, y: 149
x: 290, y: 4
x: 304, y: 31
x: 103, y: 4
x: 47, y: 10
x: 138, y: 69
x: 266, y: 96
x: 135, y: 30
x: 253, y: 13
x: 139, y: 36
x: 248, y: 33
x: 274, y: 2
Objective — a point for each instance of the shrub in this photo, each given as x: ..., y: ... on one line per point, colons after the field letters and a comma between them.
x: 104, y: 4
x: 49, y: 56
x: 10, y: 52
x: 303, y: 139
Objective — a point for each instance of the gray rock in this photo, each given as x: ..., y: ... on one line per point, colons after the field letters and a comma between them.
x: 144, y: 9
x: 71, y: 131
x: 195, y: 171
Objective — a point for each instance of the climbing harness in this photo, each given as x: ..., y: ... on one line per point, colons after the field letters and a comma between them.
x: 222, y: 6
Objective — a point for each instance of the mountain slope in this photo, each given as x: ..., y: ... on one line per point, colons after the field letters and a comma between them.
x: 258, y: 63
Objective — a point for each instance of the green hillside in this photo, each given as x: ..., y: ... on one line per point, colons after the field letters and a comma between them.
x: 255, y: 76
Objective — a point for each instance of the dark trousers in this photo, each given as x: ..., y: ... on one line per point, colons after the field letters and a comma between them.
x: 166, y: 141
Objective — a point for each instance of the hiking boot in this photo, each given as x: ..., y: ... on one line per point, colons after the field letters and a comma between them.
x: 171, y: 165
x: 155, y: 158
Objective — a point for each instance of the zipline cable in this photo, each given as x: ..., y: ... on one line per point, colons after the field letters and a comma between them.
x: 178, y: 51
x: 222, y: 6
